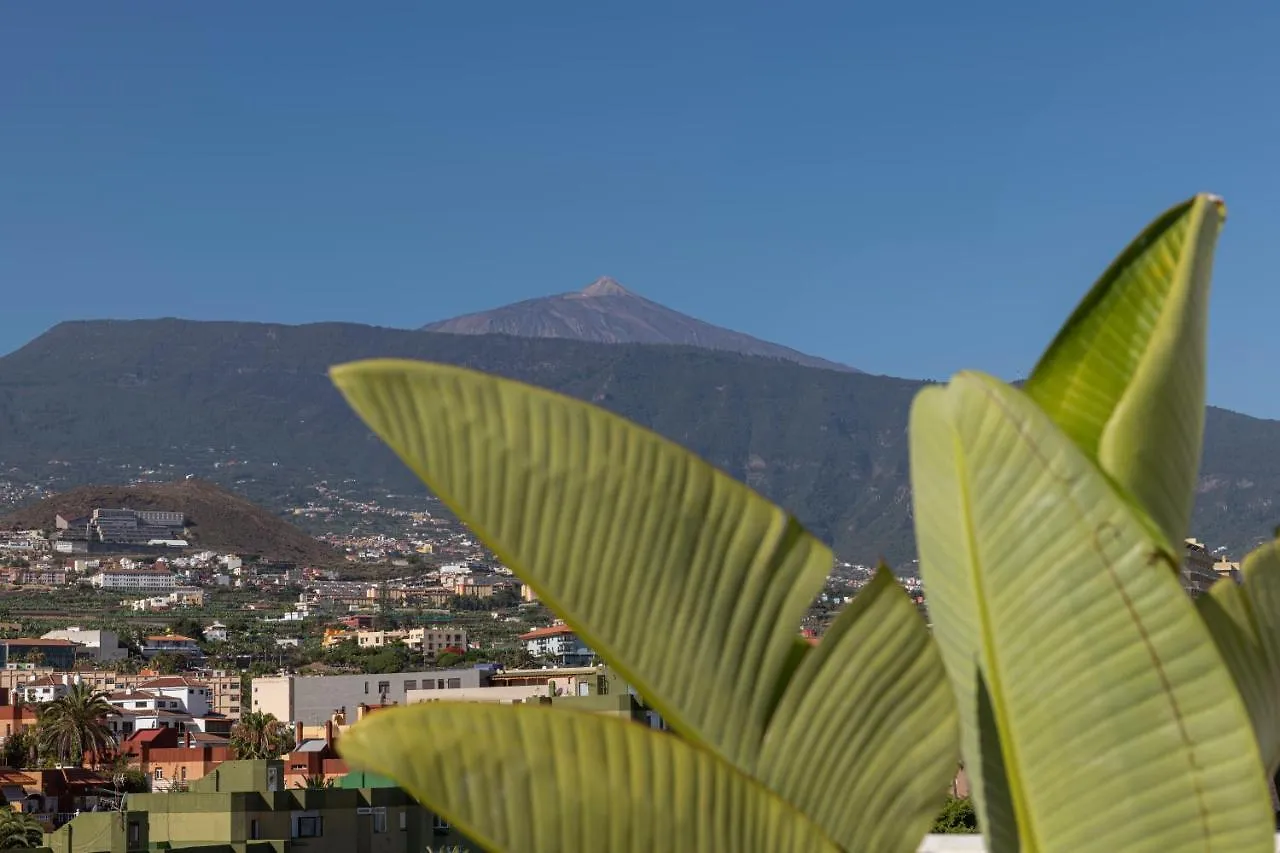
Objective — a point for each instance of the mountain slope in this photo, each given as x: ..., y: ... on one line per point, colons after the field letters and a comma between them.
x: 829, y: 446
x: 216, y: 518
x: 606, y: 312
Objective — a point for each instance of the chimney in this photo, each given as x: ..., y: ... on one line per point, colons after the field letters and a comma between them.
x: 297, y: 734
x: 188, y: 740
x: 328, y: 733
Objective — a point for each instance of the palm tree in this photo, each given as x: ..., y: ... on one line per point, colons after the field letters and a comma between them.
x: 75, y: 724
x: 317, y: 782
x: 260, y: 735
x: 19, y: 831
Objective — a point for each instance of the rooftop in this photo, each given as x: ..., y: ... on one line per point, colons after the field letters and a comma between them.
x: 549, y: 631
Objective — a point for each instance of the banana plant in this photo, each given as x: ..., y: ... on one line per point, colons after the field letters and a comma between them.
x: 693, y: 588
x: 1101, y: 708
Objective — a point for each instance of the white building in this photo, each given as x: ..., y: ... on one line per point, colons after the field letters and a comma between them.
x: 194, y: 697
x: 137, y: 580
x: 560, y: 643
x: 44, y: 689
x: 216, y: 633
x: 103, y: 646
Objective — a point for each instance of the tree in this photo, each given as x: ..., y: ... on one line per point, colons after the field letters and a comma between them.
x: 74, y: 725
x: 167, y: 663
x: 317, y: 782
x: 260, y: 735
x: 448, y: 660
x: 20, y: 750
x: 957, y: 817
x: 19, y: 831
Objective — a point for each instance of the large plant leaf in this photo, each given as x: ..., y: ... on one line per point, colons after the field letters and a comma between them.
x: 687, y: 582
x: 1244, y: 620
x: 545, y: 780
x: 1125, y: 377
x: 1096, y: 709
x: 865, y: 740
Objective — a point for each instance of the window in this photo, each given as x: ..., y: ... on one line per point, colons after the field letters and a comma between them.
x: 440, y: 683
x: 380, y: 820
x: 455, y: 683
x: 159, y: 773
x: 439, y: 825
x: 253, y: 829
x: 428, y: 684
x: 366, y: 688
x: 184, y: 773
x: 309, y: 827
x: 404, y: 821
x: 135, y: 833
x: 384, y: 687
x: 411, y: 684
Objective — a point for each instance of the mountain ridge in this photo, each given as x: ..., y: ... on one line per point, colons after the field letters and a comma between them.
x: 830, y: 447
x: 606, y: 312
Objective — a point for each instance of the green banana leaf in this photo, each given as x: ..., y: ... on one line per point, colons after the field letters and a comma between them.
x: 545, y: 780
x: 1244, y: 620
x: 691, y: 585
x: 1096, y: 712
x: 1125, y: 377
x: 866, y: 738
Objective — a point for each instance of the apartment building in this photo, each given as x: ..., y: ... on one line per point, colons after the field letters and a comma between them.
x: 228, y: 692
x: 135, y: 580
x: 311, y: 700
x: 429, y: 641
x: 245, y: 805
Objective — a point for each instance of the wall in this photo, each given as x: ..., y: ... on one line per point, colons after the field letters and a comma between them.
x: 505, y: 695
x: 313, y: 699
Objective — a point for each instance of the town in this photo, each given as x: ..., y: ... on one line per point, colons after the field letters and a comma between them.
x: 175, y: 663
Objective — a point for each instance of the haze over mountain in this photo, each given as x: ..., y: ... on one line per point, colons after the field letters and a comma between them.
x: 606, y: 312
x: 185, y: 397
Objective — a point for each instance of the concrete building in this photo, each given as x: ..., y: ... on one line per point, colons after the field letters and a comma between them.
x: 228, y: 691
x: 134, y: 580
x: 243, y: 805
x: 100, y: 646
x: 1197, y: 572
x: 429, y: 641
x: 311, y: 700
x: 195, y: 697
x: 215, y: 633
x: 27, y: 652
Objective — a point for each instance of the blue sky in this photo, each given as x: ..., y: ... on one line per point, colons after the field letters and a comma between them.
x: 908, y: 188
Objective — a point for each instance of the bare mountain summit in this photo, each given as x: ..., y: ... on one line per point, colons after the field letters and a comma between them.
x: 606, y: 312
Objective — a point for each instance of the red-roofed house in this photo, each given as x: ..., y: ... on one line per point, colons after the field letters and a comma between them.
x: 560, y: 643
x: 172, y: 759
x: 174, y: 644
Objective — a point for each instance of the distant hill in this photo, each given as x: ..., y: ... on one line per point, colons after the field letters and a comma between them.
x: 216, y: 518
x: 608, y: 313
x: 87, y: 397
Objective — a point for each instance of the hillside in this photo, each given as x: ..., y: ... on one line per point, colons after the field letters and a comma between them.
x: 606, y: 312
x: 830, y: 446
x: 216, y: 518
